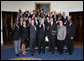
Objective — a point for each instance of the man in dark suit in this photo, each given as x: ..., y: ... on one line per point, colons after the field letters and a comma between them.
x: 47, y: 22
x: 55, y: 16
x: 41, y: 37
x: 36, y: 23
x: 70, y: 35
x: 16, y: 37
x: 21, y: 26
x: 63, y: 17
x: 32, y: 36
x: 28, y: 27
x: 52, y: 35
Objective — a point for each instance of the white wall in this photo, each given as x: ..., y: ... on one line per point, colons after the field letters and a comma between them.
x: 30, y: 5
x: 66, y: 6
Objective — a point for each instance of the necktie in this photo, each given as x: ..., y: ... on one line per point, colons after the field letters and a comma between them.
x: 36, y: 23
x: 68, y: 29
x: 17, y: 26
x: 34, y: 27
x: 43, y: 27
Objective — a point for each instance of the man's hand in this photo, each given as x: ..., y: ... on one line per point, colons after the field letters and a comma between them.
x: 71, y: 37
x: 63, y: 38
x: 57, y: 21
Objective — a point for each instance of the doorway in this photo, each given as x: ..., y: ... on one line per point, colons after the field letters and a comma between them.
x: 8, y: 19
x: 77, y: 18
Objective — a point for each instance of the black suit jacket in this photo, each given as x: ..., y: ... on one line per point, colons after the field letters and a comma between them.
x: 71, y: 30
x: 41, y: 32
x: 20, y: 28
x: 52, y: 28
x: 32, y: 32
x: 28, y: 28
x: 16, y: 33
x: 47, y: 27
x: 63, y: 19
x: 24, y: 32
x: 37, y: 25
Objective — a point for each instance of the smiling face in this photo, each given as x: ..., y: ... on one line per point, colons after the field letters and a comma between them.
x: 24, y: 23
x: 21, y: 19
x: 69, y: 18
x: 60, y: 23
x: 17, y: 22
x: 32, y: 22
x: 42, y: 21
x: 51, y: 19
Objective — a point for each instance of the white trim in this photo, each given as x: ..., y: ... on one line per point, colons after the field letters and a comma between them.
x: 75, y: 10
x: 1, y: 30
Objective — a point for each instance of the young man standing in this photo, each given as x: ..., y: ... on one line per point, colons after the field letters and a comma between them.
x: 16, y: 37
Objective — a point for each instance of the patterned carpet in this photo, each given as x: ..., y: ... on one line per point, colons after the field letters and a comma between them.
x: 8, y: 54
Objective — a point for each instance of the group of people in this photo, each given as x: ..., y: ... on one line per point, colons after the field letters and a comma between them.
x: 59, y: 29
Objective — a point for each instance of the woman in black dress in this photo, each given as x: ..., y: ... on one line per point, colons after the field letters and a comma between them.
x: 24, y: 37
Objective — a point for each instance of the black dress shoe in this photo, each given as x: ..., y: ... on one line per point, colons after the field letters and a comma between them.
x: 17, y: 54
x: 32, y: 54
x: 66, y: 51
x: 70, y: 53
x: 43, y: 52
x: 60, y: 52
x: 39, y: 52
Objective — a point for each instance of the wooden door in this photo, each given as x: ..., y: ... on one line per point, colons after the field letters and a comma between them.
x: 8, y: 18
x: 77, y: 18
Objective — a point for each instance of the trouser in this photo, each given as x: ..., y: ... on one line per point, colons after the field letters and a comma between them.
x: 69, y: 44
x: 36, y: 39
x: 17, y: 44
x: 60, y: 44
x: 52, y: 42
x: 32, y: 46
x: 56, y: 41
x: 41, y: 44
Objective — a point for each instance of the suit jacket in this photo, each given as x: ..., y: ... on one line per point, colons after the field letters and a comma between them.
x: 20, y: 28
x: 55, y: 17
x: 16, y: 32
x: 28, y: 28
x: 32, y: 32
x: 37, y: 25
x: 63, y: 19
x: 41, y: 32
x: 71, y: 30
x: 52, y: 29
x: 47, y: 27
x: 24, y: 32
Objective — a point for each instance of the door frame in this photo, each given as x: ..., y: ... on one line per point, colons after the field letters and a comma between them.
x: 70, y: 13
x: 11, y: 13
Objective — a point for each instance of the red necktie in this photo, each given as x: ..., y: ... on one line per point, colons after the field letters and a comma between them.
x: 68, y: 28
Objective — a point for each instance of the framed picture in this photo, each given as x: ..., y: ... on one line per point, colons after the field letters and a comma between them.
x: 45, y: 6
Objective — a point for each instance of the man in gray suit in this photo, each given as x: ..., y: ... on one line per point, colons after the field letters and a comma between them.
x: 32, y: 37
